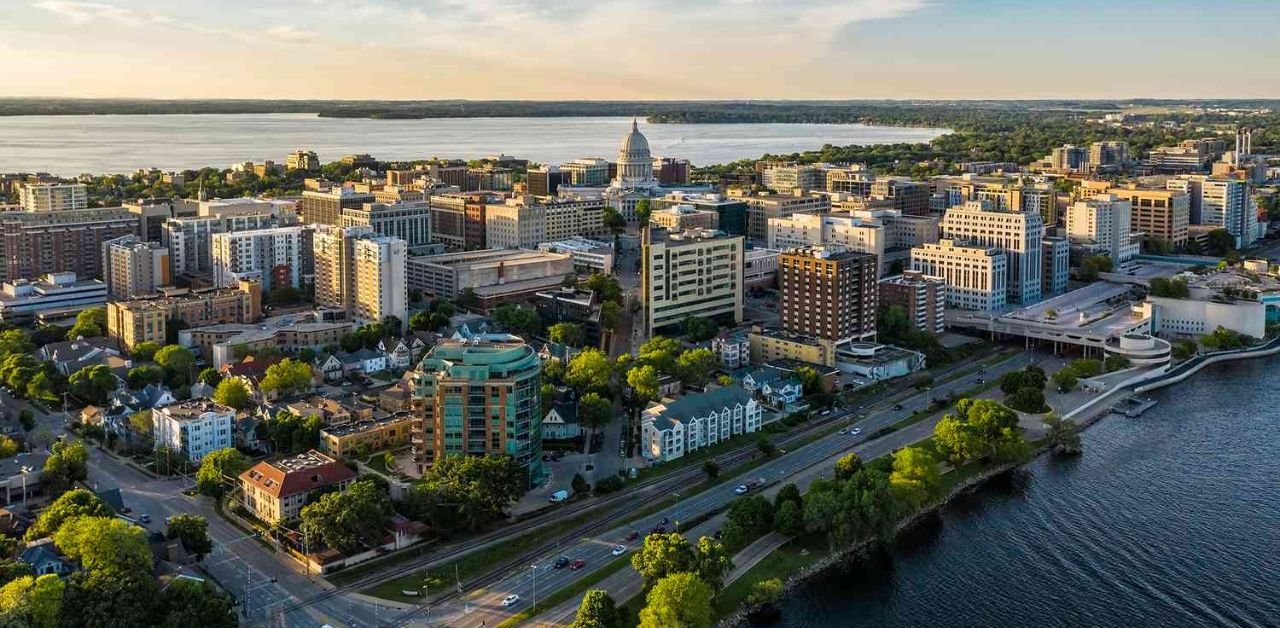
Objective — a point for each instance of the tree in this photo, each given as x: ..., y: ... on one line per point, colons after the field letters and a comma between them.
x: 613, y: 221
x: 847, y: 465
x: 177, y: 362
x: 46, y: 333
x: 1064, y: 435
x: 1064, y: 381
x: 11, y: 569
x: 71, y: 504
x: 644, y: 381
x: 809, y: 379
x: 233, y: 392
x: 662, y: 555
x: 698, y: 329
x: 724, y: 380
x: 520, y: 321
x: 218, y: 469
x: 1221, y: 242
x: 606, y: 286
x: 660, y: 352
x: 193, y: 532
x: 67, y: 464
x: 145, y: 375
x: 1091, y: 266
x: 711, y: 469
x: 713, y: 562
x: 766, y: 447
x: 915, y: 475
x: 594, y: 411
x: 789, y: 519
x: 191, y: 603
x: 579, y: 484
x: 643, y: 211
x: 1184, y: 349
x: 748, y: 519
x: 15, y: 342
x: 465, y: 491
x: 42, y: 386
x: 695, y: 366
x: 291, y: 434
x: 349, y: 520
x: 892, y: 324
x: 284, y: 295
x: 8, y: 447
x: 112, y: 599
x: 103, y: 544
x: 1115, y: 363
x: 93, y: 383
x: 144, y: 351
x: 89, y: 323
x: 1172, y: 288
x: 610, y: 315
x: 590, y: 370
x: 765, y: 592
x: 597, y: 610
x: 209, y: 377
x: 566, y: 334
x: 679, y: 600
x: 31, y: 601
x: 1026, y: 399
x: 466, y: 299
x: 27, y: 419
x: 287, y: 376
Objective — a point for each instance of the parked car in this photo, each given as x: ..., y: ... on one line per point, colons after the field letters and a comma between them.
x: 558, y: 496
x: 577, y: 564
x: 144, y: 518
x: 510, y: 600
x: 844, y: 430
x: 619, y: 550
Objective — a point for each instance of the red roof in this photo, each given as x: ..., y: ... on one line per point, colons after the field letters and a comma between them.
x: 281, y: 483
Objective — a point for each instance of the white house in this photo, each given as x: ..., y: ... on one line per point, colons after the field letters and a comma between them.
x: 402, y: 354
x: 778, y: 387
x: 732, y: 349
x: 561, y: 421
x: 193, y: 428
x: 670, y: 430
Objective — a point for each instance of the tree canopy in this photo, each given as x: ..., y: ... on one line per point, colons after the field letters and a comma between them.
x: 218, y: 470
x: 234, y: 393
x: 287, y: 376
x: 71, y: 504
x: 105, y: 544
x: 350, y: 520
x: 680, y: 599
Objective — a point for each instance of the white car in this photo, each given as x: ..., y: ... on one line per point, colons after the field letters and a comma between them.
x: 510, y: 600
x: 741, y: 489
x: 855, y: 431
x: 844, y: 430
x: 619, y: 550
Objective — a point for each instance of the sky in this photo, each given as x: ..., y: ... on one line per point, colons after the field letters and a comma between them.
x: 640, y: 49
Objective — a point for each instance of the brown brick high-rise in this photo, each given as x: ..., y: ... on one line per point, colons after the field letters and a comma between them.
x: 828, y: 293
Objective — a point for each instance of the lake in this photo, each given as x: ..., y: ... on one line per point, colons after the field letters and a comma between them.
x: 71, y: 145
x: 1169, y: 519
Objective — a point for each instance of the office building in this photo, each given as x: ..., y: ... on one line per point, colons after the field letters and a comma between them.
x: 1222, y: 203
x: 760, y: 267
x: 692, y: 273
x: 192, y: 429
x: 52, y: 197
x: 671, y: 170
x: 828, y: 292
x: 1108, y: 156
x: 1100, y: 226
x: 279, y: 257
x: 921, y: 297
x: 152, y: 213
x: 849, y: 232
x: 760, y: 208
x: 785, y: 178
x: 495, y: 276
x: 275, y: 491
x: 544, y: 180
x: 488, y: 177
x: 133, y: 268
x: 54, y: 295
x: 36, y: 243
x: 459, y: 220
x: 1057, y: 266
x: 324, y: 207
x: 1069, y: 158
x: 362, y: 273
x: 1187, y: 157
x: 731, y: 213
x: 911, y: 198
x: 905, y: 232
x: 302, y: 160
x: 683, y: 217
x: 976, y: 276
x: 589, y: 172
x: 142, y: 320
x: 1016, y: 233
x: 671, y: 429
x: 855, y: 181
x: 408, y: 220
x: 589, y: 256
x: 477, y: 398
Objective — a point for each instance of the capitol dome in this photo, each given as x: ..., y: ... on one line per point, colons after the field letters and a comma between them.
x: 635, y: 163
x: 634, y: 142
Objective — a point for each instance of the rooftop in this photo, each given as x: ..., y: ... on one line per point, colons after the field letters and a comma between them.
x: 297, y: 474
x: 193, y: 409
x: 356, y: 427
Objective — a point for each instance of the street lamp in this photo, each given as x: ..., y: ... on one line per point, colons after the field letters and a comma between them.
x: 534, y: 567
x: 677, y: 513
x: 24, y: 471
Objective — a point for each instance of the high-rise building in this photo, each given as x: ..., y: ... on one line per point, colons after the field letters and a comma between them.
x: 731, y: 212
x: 190, y: 240
x: 324, y: 207
x: 1069, y: 158
x: 693, y: 273
x: 1016, y: 233
x: 909, y: 197
x: 671, y: 171
x: 489, y: 178
x: 35, y: 243
x: 302, y: 160
x: 1057, y: 266
x: 45, y: 196
x: 515, y: 225
x: 1162, y: 215
x: 588, y: 172
x: 478, y: 398
x: 921, y: 297
x: 408, y: 220
x: 760, y: 208
x: 786, y: 178
x: 1100, y: 225
x: 855, y: 181
x: 828, y: 293
x: 362, y: 273
x: 855, y: 234
x: 544, y: 180
x: 458, y: 220
x: 152, y: 213
x: 279, y: 257
x: 1108, y: 155
x: 1221, y: 202
x: 143, y: 320
x: 133, y: 268
x: 976, y: 275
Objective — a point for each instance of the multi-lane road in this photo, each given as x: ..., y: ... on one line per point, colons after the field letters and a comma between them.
x: 540, y: 578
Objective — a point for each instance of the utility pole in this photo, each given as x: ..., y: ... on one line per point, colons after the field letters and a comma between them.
x: 534, y: 567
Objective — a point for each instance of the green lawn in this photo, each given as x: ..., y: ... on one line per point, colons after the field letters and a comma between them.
x: 797, y: 554
x: 478, y: 562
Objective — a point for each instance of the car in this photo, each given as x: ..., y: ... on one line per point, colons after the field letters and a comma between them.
x: 844, y: 430
x: 510, y: 600
x: 658, y: 530
x: 856, y: 431
x: 981, y: 381
x: 577, y: 564
x: 633, y: 535
x: 824, y: 413
x: 740, y: 489
x: 546, y: 457
x: 664, y: 521
x: 561, y: 562
x: 619, y: 550
x: 897, y: 406
x: 144, y: 518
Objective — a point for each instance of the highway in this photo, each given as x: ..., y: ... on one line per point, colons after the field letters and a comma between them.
x: 539, y: 578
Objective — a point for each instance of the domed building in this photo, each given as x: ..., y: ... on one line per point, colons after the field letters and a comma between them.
x: 635, y: 179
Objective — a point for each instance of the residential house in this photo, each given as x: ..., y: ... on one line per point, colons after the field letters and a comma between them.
x: 22, y: 476
x: 555, y: 351
x: 45, y: 558
x: 276, y: 491
x: 561, y: 421
x: 733, y: 349
x: 402, y: 353
x: 73, y: 355
x: 669, y: 386
x: 672, y: 429
x: 330, y: 367
x: 778, y: 388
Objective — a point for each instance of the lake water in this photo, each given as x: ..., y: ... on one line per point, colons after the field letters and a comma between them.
x: 70, y: 145
x: 1169, y: 519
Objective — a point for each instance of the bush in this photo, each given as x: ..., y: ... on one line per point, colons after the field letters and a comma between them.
x: 609, y: 485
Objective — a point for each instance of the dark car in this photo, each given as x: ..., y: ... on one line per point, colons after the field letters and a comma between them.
x: 576, y: 565
x: 633, y: 535
x: 897, y: 406
x: 561, y: 562
x: 658, y: 530
x: 664, y: 521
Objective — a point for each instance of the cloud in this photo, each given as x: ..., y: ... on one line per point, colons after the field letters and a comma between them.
x: 88, y: 12
x: 290, y: 34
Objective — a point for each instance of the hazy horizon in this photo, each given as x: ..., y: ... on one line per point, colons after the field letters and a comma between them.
x: 654, y: 50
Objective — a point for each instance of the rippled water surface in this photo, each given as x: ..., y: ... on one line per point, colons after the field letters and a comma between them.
x: 70, y: 145
x: 1170, y: 519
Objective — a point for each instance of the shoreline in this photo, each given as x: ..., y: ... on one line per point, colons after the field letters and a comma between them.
x: 1095, y: 411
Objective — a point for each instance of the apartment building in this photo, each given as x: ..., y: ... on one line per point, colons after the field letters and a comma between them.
x: 515, y: 225
x: 828, y: 292
x: 459, y: 220
x: 221, y: 344
x: 46, y: 196
x: 34, y: 243
x: 976, y: 276
x: 760, y: 208
x: 302, y: 160
x: 275, y: 491
x: 133, y: 268
x: 408, y: 220
x: 190, y: 240
x: 324, y: 207
x: 672, y: 429
x: 671, y: 170
x: 692, y: 273
x: 794, y: 178
x: 1221, y: 202
x: 922, y: 297
x: 1161, y: 215
x: 849, y: 232
x: 142, y: 320
x: 1100, y: 226
x: 495, y: 276
x: 278, y: 257
x: 476, y: 398
x: 368, y: 436
x: 1016, y: 233
x: 380, y: 287
x: 192, y: 429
